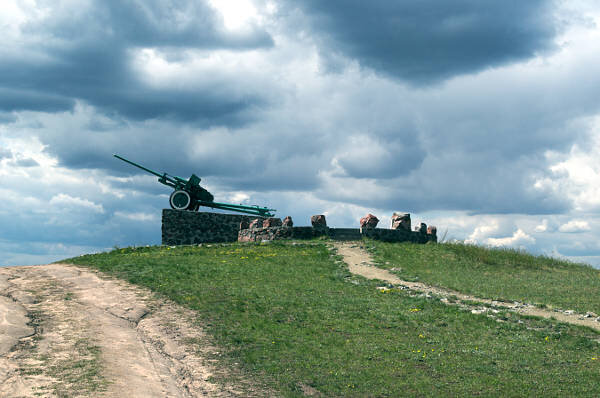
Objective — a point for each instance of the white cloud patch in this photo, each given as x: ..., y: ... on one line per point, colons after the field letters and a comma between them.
x: 236, y: 14
x: 64, y: 200
x: 144, y: 217
x: 518, y: 239
x: 481, y: 232
x: 548, y: 225
x: 543, y: 227
x: 576, y: 174
x: 239, y: 197
x: 575, y: 226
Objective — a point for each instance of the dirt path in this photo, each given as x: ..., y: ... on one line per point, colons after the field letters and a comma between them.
x: 66, y: 331
x: 360, y: 262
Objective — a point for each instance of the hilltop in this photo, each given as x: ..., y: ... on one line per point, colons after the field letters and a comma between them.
x: 440, y: 319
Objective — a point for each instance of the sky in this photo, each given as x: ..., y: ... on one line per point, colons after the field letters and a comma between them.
x: 480, y: 117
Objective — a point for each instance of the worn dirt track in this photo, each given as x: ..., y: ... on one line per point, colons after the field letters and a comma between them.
x: 69, y: 331
x: 360, y: 263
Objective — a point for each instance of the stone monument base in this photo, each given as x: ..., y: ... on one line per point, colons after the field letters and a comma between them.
x: 180, y: 227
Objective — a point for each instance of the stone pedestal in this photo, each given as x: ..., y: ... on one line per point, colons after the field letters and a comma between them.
x: 181, y: 227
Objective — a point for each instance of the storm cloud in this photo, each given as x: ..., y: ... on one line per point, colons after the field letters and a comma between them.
x: 88, y: 50
x: 425, y: 42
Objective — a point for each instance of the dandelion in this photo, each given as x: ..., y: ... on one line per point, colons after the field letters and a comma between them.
x: 594, y: 358
x: 546, y: 338
x: 415, y: 310
x: 421, y: 336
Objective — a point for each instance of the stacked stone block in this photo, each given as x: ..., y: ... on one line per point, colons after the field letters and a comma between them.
x: 180, y: 227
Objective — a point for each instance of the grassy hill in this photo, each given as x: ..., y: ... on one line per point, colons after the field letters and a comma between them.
x: 296, y: 321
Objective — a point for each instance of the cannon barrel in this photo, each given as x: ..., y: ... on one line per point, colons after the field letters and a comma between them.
x: 138, y: 166
x: 189, y: 195
x: 164, y: 178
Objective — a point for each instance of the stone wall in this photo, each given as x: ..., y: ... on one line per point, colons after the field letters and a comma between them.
x: 397, y: 235
x: 264, y: 233
x: 387, y: 235
x: 180, y: 227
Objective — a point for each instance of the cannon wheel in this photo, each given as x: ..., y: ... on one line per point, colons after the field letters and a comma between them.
x: 180, y: 200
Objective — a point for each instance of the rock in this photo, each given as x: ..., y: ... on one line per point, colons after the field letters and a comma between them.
x: 256, y: 223
x: 432, y: 230
x: 244, y: 236
x: 287, y: 222
x: 590, y: 314
x: 422, y: 229
x: 401, y: 221
x: 272, y: 222
x: 244, y: 224
x: 369, y: 221
x: 432, y: 234
x: 318, y: 221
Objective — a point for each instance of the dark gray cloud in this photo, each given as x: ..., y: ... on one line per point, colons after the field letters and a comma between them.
x: 381, y: 155
x: 85, y: 54
x: 426, y: 41
x: 15, y: 99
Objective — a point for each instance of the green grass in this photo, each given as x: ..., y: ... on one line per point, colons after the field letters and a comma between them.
x: 291, y: 317
x: 495, y: 273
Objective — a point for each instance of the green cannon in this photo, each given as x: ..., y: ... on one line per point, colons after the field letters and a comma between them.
x: 189, y: 195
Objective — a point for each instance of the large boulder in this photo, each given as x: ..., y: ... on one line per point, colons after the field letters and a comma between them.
x: 432, y: 230
x: 256, y: 223
x: 422, y: 228
x: 369, y: 221
x: 432, y: 233
x: 401, y: 221
x: 287, y: 222
x: 272, y: 222
x: 318, y: 221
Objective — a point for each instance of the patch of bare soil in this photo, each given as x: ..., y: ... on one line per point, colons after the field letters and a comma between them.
x: 360, y: 262
x: 68, y: 331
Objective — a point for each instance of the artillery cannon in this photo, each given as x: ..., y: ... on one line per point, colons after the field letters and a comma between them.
x: 189, y: 195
